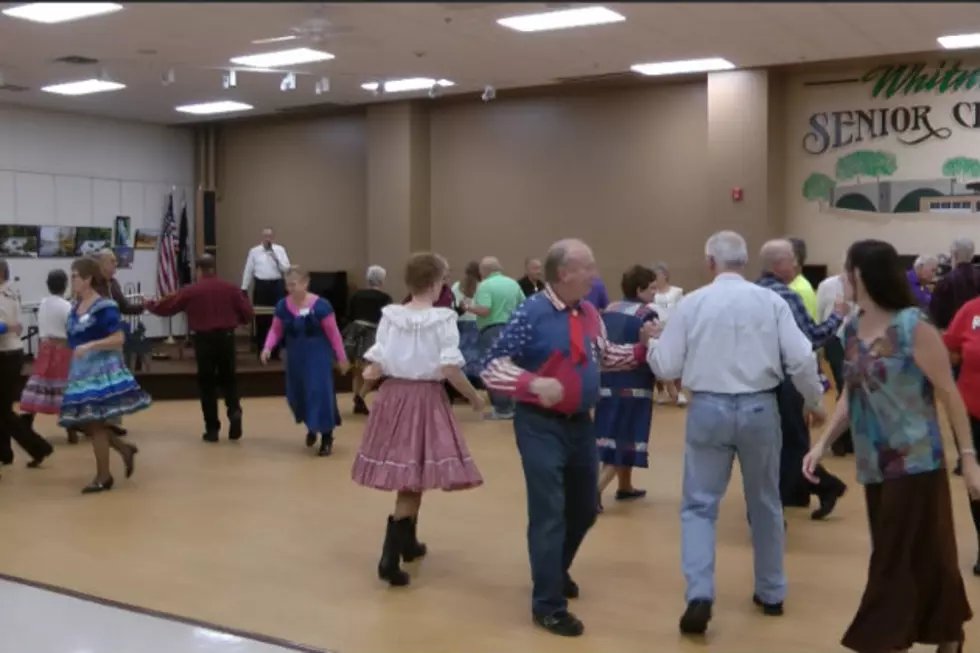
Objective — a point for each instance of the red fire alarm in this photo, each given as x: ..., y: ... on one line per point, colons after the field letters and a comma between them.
x: 736, y: 194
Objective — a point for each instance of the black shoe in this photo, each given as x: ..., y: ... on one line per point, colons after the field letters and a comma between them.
x: 768, y: 609
x: 360, y: 406
x: 389, y: 568
x: 95, y: 487
x: 129, y: 460
x: 629, y: 495
x: 326, y: 444
x: 118, y: 430
x: 696, y: 617
x: 210, y: 436
x: 235, y: 426
x: 562, y: 623
x: 72, y: 436
x: 310, y: 438
x: 35, y: 463
x: 413, y: 549
x: 570, y: 589
x: 831, y: 489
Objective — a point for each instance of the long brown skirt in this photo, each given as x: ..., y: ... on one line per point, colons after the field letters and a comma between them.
x: 914, y: 592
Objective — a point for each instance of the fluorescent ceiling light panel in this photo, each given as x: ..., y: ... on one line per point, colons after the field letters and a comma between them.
x: 408, y: 85
x: 84, y: 87
x: 562, y: 19
x: 274, y: 39
x: 213, y: 108
x: 293, y: 57
x: 682, y: 67
x: 50, y: 13
x: 960, y: 41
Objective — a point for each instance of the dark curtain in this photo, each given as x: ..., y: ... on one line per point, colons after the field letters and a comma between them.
x: 183, y: 250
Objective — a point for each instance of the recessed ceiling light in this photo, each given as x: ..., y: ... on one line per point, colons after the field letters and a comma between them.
x: 293, y: 57
x: 562, y: 19
x: 212, y: 108
x: 84, y: 87
x: 408, y: 85
x: 959, y: 41
x: 274, y: 39
x: 682, y: 67
x: 50, y: 13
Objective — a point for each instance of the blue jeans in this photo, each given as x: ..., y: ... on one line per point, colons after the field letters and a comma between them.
x: 719, y: 428
x: 502, y: 404
x: 560, y: 469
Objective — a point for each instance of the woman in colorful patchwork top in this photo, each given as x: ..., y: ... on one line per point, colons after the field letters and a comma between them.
x: 100, y: 388
x: 622, y: 418
x: 895, y: 364
x: 308, y: 325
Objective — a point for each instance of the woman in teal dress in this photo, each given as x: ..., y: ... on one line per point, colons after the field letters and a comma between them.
x: 100, y: 387
x: 308, y: 326
x: 625, y: 410
x: 895, y: 364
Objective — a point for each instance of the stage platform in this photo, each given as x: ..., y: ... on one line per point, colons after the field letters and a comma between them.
x: 176, y: 377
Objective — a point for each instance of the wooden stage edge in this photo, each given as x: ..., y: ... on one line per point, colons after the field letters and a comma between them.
x: 177, y: 379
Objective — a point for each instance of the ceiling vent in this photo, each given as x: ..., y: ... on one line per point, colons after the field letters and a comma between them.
x: 602, y: 77
x: 13, y: 88
x: 77, y: 60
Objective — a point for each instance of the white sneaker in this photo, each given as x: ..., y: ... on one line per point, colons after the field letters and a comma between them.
x: 681, y: 400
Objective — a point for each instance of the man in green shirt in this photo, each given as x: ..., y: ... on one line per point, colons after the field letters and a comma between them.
x: 496, y: 298
x: 801, y: 285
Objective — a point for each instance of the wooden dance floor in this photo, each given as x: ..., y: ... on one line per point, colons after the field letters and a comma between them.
x: 263, y: 537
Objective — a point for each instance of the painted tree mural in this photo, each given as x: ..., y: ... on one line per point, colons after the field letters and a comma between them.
x: 866, y: 163
x: 818, y: 187
x: 962, y: 168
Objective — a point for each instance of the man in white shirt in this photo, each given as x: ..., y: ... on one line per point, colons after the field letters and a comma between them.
x: 829, y: 292
x: 265, y: 270
x: 731, y: 342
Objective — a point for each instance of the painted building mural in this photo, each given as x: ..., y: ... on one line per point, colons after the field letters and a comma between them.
x: 899, y: 138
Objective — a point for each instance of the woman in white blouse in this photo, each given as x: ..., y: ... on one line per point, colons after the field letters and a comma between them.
x: 412, y: 442
x: 664, y: 302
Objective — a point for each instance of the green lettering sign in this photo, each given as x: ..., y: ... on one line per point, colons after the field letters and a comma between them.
x: 904, y: 79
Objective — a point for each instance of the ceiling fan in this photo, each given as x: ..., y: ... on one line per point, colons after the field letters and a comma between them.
x: 313, y: 31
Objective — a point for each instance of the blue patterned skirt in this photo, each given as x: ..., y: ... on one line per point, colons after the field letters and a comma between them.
x: 100, y: 388
x: 469, y: 345
x: 622, y: 426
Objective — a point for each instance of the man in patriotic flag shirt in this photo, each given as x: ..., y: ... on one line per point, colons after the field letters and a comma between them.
x: 548, y: 357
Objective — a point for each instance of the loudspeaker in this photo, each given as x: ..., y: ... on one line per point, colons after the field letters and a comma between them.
x: 210, y: 231
x: 332, y: 286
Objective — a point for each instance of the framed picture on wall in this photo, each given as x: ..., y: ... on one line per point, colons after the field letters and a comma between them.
x: 92, y: 240
x: 19, y: 241
x: 124, y: 257
x: 57, y: 242
x: 146, y: 239
x: 123, y: 232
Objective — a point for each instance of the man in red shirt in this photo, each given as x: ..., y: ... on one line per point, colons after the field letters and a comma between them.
x: 214, y: 308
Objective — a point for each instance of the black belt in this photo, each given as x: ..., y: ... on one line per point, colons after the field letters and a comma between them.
x: 553, y: 414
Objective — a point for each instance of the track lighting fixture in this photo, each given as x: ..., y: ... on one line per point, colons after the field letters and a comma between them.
x: 322, y: 86
x: 168, y: 77
x: 434, y: 91
x: 288, y: 82
x: 229, y: 80
x: 489, y: 94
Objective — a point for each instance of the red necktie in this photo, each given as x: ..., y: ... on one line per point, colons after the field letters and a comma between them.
x: 576, y: 336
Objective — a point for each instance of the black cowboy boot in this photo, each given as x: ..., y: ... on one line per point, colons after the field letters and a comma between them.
x: 389, y: 568
x: 326, y: 444
x: 413, y: 549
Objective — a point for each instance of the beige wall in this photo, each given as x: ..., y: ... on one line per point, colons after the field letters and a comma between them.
x: 307, y: 180
x: 642, y: 174
x: 828, y: 230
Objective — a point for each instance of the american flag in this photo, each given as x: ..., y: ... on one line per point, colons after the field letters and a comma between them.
x: 167, y: 254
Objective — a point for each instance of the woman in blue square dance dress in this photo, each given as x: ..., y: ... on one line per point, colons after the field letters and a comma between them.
x: 308, y: 326
x: 625, y: 409
x: 895, y: 367
x: 100, y: 387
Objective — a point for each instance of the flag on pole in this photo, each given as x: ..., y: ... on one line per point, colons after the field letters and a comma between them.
x: 167, y: 254
x: 183, y: 249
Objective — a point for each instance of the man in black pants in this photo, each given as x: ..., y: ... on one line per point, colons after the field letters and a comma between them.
x: 265, y: 270
x: 13, y: 427
x: 215, y: 308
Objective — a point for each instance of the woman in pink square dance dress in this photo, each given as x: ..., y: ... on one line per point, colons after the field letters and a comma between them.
x: 412, y: 442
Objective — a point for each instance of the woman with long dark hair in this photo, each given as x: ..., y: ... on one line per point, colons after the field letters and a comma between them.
x: 100, y: 388
x: 895, y: 364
